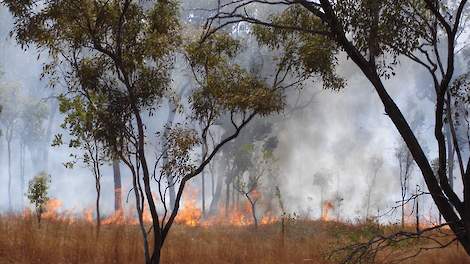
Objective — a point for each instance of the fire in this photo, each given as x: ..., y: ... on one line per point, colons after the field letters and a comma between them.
x: 52, y: 207
x: 117, y: 219
x: 190, y: 214
x: 88, y: 215
x: 325, y: 212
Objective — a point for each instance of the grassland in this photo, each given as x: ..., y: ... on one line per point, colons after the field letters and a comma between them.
x: 22, y: 241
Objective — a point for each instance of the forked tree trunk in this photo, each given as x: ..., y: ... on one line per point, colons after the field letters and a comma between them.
x: 253, y: 210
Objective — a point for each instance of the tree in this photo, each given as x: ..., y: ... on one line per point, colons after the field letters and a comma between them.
x: 249, y: 184
x: 10, y: 99
x: 119, y: 57
x: 117, y: 186
x: 82, y: 121
x: 37, y: 193
x: 31, y: 130
x: 375, y: 165
x: 249, y: 189
x: 374, y: 34
x: 405, y: 165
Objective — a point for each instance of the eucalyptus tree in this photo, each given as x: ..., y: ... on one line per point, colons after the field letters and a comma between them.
x: 10, y: 99
x: 38, y: 193
x: 115, y: 58
x: 83, y: 124
x: 405, y: 166
x: 31, y: 130
x: 374, y: 34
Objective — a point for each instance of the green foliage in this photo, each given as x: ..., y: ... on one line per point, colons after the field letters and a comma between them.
x: 395, y: 26
x: 225, y: 86
x: 118, y: 53
x: 22, y: 115
x: 300, y: 51
x: 38, y: 192
x: 180, y: 143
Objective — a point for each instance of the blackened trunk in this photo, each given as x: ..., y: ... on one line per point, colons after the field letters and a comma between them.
x: 155, y: 256
x: 98, y: 214
x: 253, y: 211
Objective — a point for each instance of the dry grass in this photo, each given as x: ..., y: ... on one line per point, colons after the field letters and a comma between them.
x: 21, y: 241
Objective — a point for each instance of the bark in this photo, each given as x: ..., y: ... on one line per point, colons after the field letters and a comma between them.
x: 117, y: 186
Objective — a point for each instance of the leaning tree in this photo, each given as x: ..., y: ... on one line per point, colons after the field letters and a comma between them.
x: 375, y: 35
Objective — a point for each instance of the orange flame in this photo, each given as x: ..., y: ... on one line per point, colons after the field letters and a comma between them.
x: 52, y: 206
x: 190, y: 214
x: 327, y: 206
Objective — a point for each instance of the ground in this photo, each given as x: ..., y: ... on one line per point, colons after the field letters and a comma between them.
x: 65, y: 241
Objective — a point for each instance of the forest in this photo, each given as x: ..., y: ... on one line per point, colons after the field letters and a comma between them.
x: 234, y: 131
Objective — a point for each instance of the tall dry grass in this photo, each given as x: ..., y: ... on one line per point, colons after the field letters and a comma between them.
x: 22, y: 241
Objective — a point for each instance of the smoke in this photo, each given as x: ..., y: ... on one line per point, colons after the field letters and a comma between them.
x: 338, y: 134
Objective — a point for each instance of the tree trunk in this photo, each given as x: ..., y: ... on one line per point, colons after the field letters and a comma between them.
x: 450, y: 153
x: 227, y: 197
x: 203, y: 193
x: 417, y: 211
x: 10, y: 207
x: 214, y: 206
x: 253, y: 211
x: 156, y: 256
x: 170, y: 180
x: 98, y: 214
x: 22, y: 172
x: 402, y: 213
x: 117, y: 186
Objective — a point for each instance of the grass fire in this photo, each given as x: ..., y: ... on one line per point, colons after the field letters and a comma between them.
x: 234, y: 131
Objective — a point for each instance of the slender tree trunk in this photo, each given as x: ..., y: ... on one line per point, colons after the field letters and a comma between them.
x: 22, y: 172
x: 139, y: 206
x: 117, y: 186
x: 10, y: 207
x: 98, y: 214
x: 402, y: 213
x: 450, y: 153
x: 214, y: 206
x: 253, y: 211
x: 203, y: 193
x: 417, y: 211
x: 227, y: 197
x: 212, y: 184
